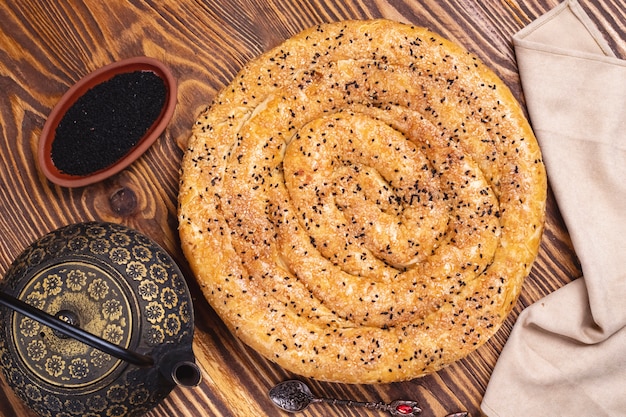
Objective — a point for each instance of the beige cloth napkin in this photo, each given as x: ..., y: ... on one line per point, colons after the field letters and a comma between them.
x: 566, y: 355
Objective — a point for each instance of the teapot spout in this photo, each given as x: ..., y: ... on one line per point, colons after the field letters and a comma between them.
x: 186, y: 374
x: 180, y: 368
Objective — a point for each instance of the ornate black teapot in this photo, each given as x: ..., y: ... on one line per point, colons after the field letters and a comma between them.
x: 100, y: 323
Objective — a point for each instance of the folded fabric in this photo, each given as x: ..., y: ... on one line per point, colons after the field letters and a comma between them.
x: 566, y: 355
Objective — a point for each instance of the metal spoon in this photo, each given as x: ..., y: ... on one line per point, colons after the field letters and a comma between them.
x: 294, y: 396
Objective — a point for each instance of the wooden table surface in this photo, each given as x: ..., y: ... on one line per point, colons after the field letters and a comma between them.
x: 46, y: 46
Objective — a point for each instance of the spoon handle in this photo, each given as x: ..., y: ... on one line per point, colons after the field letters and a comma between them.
x: 396, y: 408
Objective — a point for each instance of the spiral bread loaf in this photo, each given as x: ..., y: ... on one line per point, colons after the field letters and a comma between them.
x: 363, y: 202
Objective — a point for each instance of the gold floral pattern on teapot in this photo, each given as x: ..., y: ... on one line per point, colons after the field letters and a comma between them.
x: 114, y: 283
x: 77, y: 291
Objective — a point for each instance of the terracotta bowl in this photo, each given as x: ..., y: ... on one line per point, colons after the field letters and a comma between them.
x: 99, y: 76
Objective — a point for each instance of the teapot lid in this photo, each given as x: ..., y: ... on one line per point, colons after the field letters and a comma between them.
x: 112, y: 282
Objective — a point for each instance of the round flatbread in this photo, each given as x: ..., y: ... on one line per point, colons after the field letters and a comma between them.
x: 363, y: 202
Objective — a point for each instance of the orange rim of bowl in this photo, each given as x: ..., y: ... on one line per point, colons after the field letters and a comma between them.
x: 68, y: 99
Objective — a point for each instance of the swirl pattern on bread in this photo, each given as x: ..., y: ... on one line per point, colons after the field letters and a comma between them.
x: 363, y: 202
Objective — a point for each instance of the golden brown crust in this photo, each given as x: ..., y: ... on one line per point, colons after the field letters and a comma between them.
x: 363, y: 202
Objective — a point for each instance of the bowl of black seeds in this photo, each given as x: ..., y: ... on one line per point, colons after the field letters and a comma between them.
x: 106, y: 121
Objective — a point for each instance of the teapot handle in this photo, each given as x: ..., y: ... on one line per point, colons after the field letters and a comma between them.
x: 74, y: 332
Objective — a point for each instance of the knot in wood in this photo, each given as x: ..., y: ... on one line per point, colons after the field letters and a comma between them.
x: 123, y: 201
